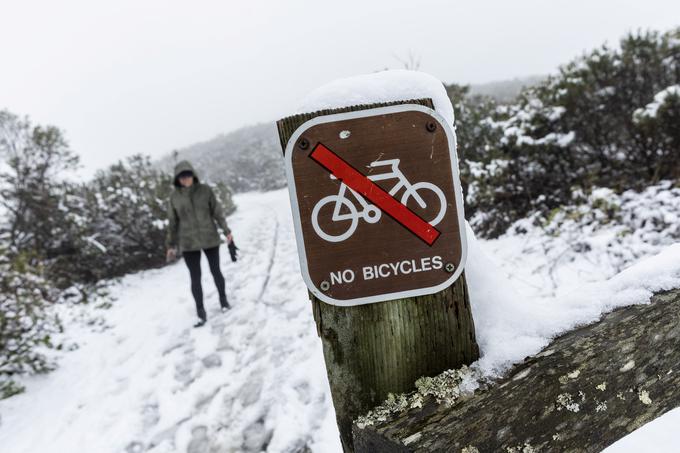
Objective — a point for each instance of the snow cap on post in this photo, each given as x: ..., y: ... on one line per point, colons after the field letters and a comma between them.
x: 380, y: 87
x: 391, y: 163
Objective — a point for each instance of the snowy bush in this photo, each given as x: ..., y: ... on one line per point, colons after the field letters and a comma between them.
x: 476, y: 136
x: 35, y: 160
x: 25, y: 328
x: 122, y: 213
x: 33, y: 231
x: 594, y: 237
x: 61, y: 241
x: 635, y: 224
x: 607, y: 119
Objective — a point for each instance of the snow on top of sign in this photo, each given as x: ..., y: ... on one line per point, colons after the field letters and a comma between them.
x: 378, y: 87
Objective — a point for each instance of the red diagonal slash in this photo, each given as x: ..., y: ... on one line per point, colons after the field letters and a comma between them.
x: 353, y: 179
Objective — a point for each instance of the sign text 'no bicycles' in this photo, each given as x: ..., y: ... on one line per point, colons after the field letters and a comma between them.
x: 348, y: 167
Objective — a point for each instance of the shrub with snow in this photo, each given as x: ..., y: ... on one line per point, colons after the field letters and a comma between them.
x: 25, y: 327
x: 122, y: 213
x: 608, y: 119
x: 61, y: 241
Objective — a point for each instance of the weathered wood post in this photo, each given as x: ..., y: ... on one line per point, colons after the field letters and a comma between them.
x: 377, y: 348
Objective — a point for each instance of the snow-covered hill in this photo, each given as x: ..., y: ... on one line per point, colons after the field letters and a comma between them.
x: 246, y: 159
x: 135, y: 377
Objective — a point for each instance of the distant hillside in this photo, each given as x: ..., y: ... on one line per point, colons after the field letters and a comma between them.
x: 250, y: 158
x: 505, y: 90
x: 246, y: 159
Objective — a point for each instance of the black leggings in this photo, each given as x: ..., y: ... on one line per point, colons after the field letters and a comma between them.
x: 193, y: 260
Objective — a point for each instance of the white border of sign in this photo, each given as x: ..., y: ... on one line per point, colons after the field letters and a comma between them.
x: 290, y: 149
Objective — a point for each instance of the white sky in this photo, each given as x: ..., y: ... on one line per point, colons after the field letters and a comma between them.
x: 123, y: 77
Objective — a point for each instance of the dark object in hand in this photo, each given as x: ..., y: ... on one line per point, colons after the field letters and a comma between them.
x: 232, y: 250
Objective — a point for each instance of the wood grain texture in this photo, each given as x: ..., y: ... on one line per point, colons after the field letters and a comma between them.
x: 587, y: 389
x: 375, y: 349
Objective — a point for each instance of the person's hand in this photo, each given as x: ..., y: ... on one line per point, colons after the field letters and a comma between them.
x: 171, y: 254
x: 230, y: 238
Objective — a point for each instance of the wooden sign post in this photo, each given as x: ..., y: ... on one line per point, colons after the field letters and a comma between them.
x: 381, y: 238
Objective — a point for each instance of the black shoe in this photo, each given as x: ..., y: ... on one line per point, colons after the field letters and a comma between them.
x: 226, y: 308
x: 224, y: 304
x: 200, y: 323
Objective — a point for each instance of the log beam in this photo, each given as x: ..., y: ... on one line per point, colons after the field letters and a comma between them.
x: 587, y: 389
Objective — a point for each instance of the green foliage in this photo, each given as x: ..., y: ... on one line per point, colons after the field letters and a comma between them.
x: 120, y: 216
x: 60, y: 241
x: 36, y: 157
x: 25, y: 328
x: 607, y: 119
x: 476, y: 135
x: 10, y: 388
x: 225, y: 197
x: 81, y: 233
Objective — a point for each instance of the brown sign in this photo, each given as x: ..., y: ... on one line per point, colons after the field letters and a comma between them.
x: 377, y: 204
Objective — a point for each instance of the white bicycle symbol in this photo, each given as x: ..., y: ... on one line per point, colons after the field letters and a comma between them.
x: 370, y: 213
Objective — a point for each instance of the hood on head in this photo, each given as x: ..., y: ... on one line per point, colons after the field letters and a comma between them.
x: 181, y: 166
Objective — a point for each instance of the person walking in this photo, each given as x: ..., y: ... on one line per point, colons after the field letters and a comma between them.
x: 193, y: 211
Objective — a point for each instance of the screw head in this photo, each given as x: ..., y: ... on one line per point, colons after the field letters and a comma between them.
x: 431, y: 126
x: 450, y: 267
x: 303, y: 143
x: 325, y: 286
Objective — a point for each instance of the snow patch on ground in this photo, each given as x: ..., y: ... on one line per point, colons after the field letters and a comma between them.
x: 544, y: 278
x: 511, y: 326
x: 658, y: 436
x: 588, y: 242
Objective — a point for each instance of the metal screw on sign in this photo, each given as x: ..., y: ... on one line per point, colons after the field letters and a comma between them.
x: 450, y: 267
x: 431, y: 126
x: 325, y: 286
x: 303, y: 143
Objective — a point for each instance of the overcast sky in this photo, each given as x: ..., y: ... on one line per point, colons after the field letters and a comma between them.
x: 148, y: 76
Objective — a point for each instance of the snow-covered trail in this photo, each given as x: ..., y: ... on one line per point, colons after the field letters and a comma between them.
x: 253, y: 379
x: 143, y: 380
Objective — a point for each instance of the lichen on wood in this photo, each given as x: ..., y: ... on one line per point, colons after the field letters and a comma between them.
x: 586, y: 390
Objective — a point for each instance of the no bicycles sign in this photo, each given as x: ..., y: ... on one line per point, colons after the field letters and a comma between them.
x: 377, y: 204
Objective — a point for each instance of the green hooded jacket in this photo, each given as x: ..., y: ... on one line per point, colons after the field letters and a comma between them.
x: 192, y: 214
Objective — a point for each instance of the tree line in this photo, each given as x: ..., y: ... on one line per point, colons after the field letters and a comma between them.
x: 63, y: 240
x: 610, y: 118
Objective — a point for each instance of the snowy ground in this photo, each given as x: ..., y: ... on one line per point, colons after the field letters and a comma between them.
x: 588, y: 242
x: 142, y: 380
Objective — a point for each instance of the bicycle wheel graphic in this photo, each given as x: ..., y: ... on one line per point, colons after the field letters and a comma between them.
x: 352, y: 219
x: 429, y: 193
